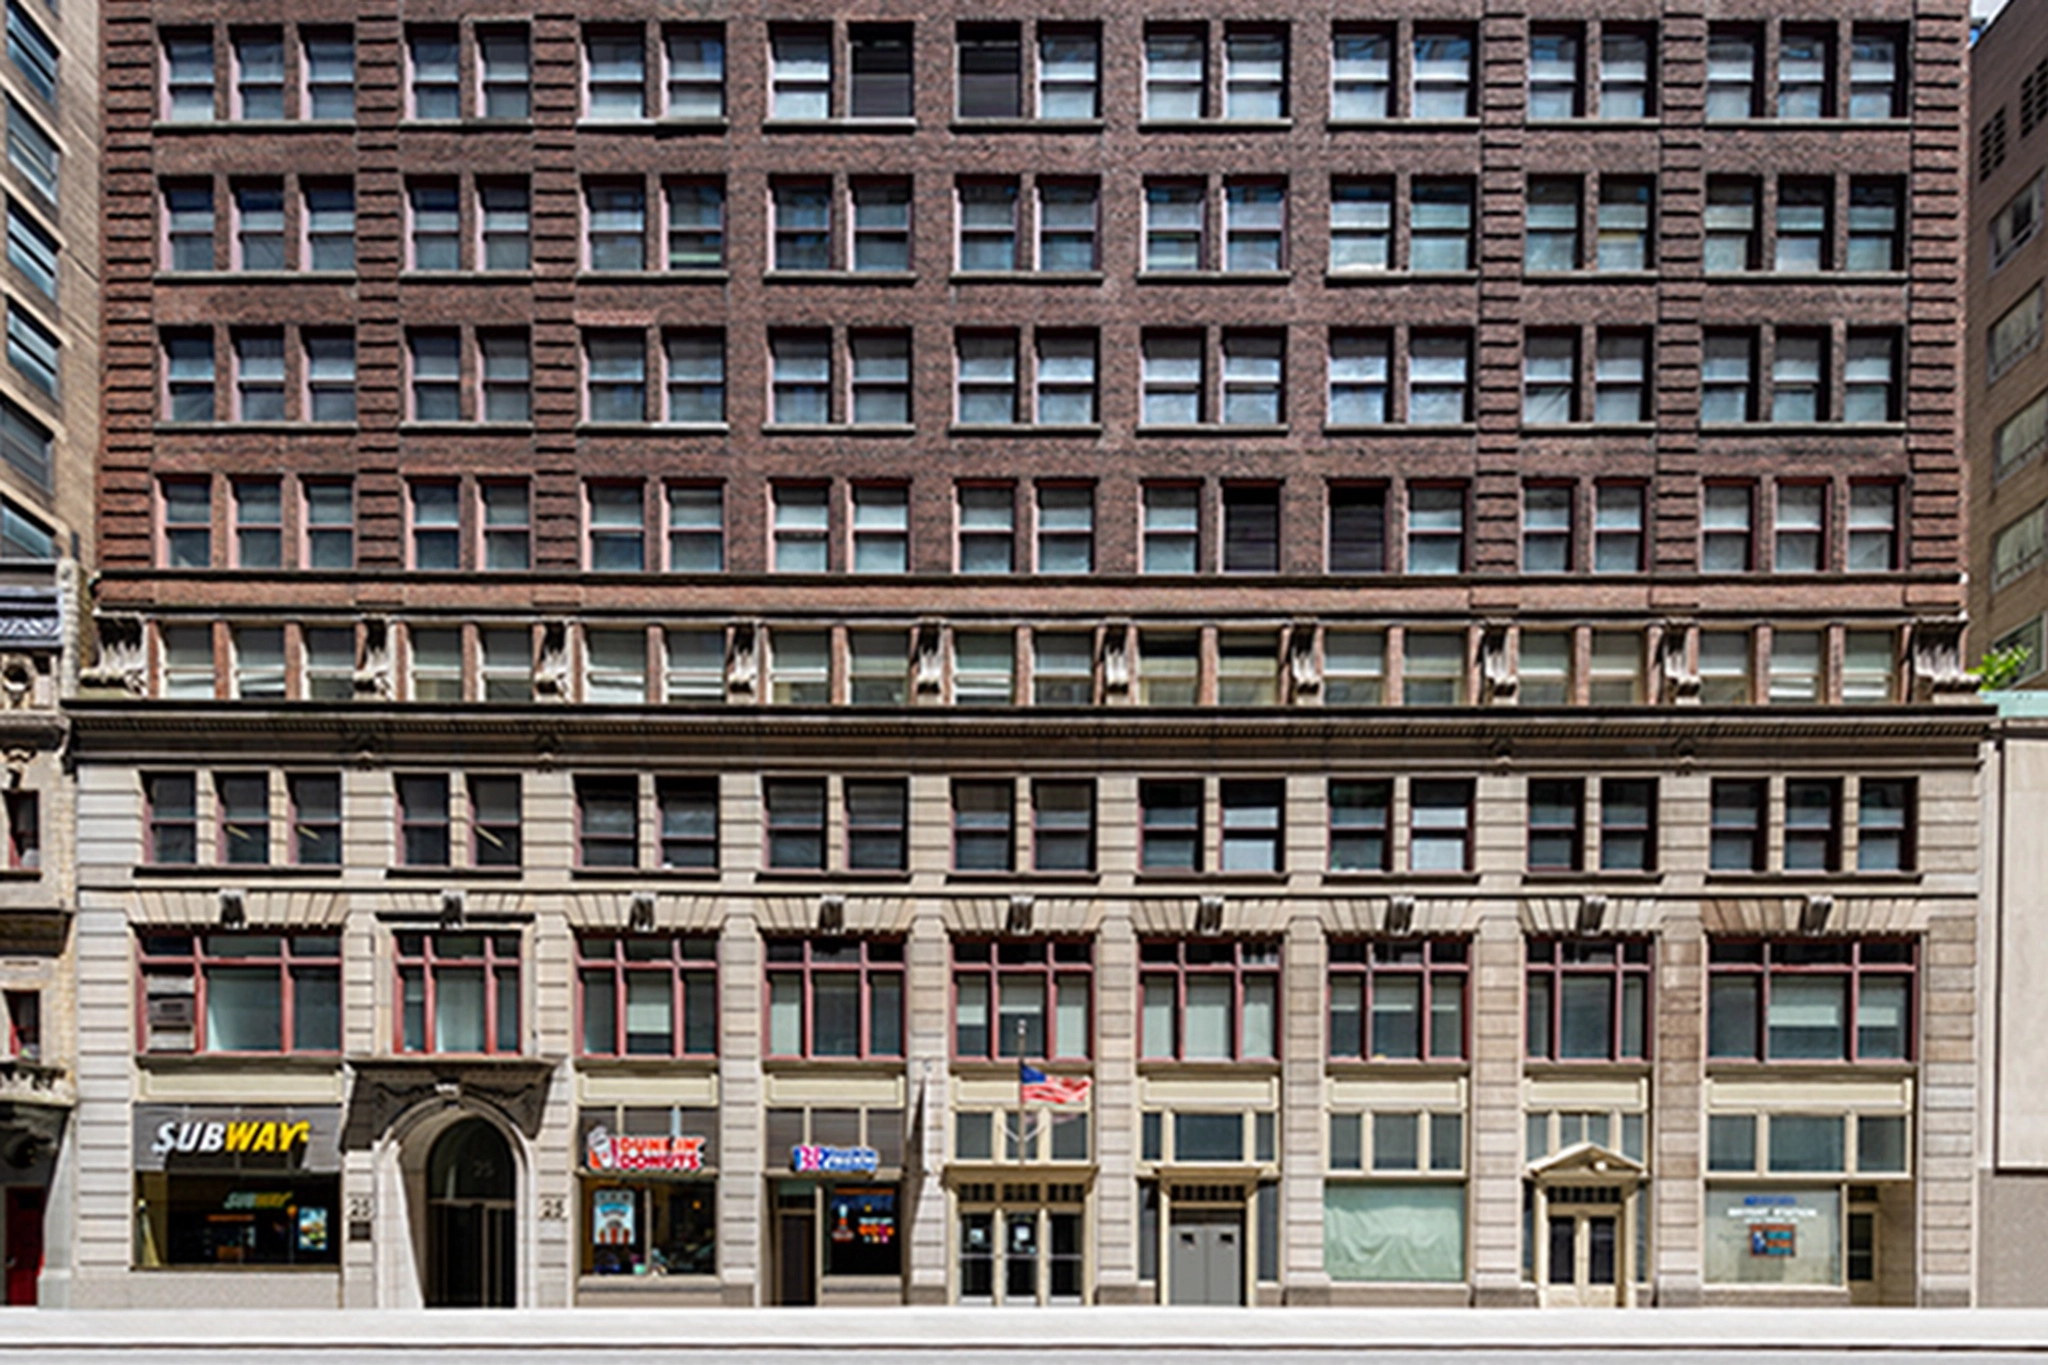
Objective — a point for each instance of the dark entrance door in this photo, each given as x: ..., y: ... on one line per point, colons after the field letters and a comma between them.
x: 471, y: 1239
x: 24, y: 1244
x: 795, y: 1259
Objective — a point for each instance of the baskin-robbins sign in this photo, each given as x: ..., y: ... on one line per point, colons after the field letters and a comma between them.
x: 208, y: 1136
x: 810, y: 1159
x: 604, y: 1150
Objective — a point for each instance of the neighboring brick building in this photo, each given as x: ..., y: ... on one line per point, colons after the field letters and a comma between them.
x: 1445, y: 531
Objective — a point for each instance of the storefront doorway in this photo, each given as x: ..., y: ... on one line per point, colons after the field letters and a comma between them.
x: 1583, y: 1218
x: 24, y: 1244
x: 471, y: 1232
x: 1206, y: 1257
x: 796, y: 1237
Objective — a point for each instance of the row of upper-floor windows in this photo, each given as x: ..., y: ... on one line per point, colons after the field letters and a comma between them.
x: 1041, y: 377
x: 1049, y: 71
x: 1063, y: 666
x: 1043, y: 826
x: 1387, y: 1000
x: 1009, y: 224
x: 1792, y: 525
x: 31, y: 51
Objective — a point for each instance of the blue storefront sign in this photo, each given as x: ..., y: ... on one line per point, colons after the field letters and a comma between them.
x: 834, y: 1160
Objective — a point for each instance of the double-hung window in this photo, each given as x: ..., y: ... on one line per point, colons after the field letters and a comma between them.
x: 1209, y: 999
x: 458, y: 992
x: 835, y: 997
x: 1588, y: 999
x: 1022, y: 998
x: 250, y: 992
x: 1805, y: 1000
x: 1398, y: 999
x: 648, y: 995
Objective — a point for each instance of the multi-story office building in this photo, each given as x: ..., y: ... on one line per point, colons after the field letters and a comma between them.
x: 681, y: 593
x: 2007, y: 367
x: 49, y: 430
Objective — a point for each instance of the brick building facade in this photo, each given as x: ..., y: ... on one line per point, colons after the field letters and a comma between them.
x: 679, y: 595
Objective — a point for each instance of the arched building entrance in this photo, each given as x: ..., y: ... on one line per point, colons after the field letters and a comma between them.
x: 472, y: 1238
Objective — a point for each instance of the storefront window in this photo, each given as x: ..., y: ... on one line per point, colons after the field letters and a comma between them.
x: 458, y: 992
x: 234, y: 1220
x: 1774, y: 1236
x: 1394, y: 1232
x: 650, y: 1227
x: 241, y: 992
x: 1024, y: 1248
x: 222, y: 1185
x: 860, y: 1230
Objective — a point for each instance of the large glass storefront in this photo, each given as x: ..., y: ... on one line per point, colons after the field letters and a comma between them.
x: 220, y: 1185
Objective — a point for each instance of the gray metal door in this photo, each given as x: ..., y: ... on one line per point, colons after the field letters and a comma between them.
x: 1207, y: 1263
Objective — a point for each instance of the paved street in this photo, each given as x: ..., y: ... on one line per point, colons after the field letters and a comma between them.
x: 978, y: 1337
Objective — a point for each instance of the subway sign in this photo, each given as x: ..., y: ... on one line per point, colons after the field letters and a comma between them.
x: 196, y: 1136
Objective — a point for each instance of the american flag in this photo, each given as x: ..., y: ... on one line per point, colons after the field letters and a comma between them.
x: 1035, y: 1087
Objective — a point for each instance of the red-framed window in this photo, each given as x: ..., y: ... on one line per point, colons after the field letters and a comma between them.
x: 244, y: 801
x: 458, y: 992
x: 1399, y: 1000
x: 424, y: 822
x: 608, y: 820
x: 172, y: 805
x: 1210, y: 999
x: 1588, y: 999
x: 835, y: 997
x: 1811, y: 1000
x: 795, y: 823
x: 1022, y: 998
x: 316, y: 818
x: 249, y: 992
x: 647, y: 996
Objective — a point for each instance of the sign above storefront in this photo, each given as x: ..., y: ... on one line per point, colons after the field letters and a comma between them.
x: 809, y: 1158
x: 607, y: 1151
x: 226, y: 1136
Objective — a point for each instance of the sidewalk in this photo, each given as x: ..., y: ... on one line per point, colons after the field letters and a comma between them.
x: 28, y: 1333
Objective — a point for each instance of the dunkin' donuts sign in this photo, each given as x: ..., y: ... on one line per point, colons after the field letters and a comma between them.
x: 608, y: 1151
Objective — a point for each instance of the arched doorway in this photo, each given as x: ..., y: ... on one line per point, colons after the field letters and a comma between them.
x: 471, y: 1240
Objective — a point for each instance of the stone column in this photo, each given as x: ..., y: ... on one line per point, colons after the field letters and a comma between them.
x: 1946, y: 1244
x: 1302, y: 1113
x: 1495, y: 1190
x: 743, y: 1212
x: 1677, y: 1110
x: 1116, y: 1108
x: 928, y: 995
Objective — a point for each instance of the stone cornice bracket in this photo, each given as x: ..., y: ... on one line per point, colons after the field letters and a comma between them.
x: 831, y: 914
x: 1681, y: 680
x: 743, y: 660
x: 17, y: 681
x: 928, y: 660
x: 1304, y: 668
x: 1116, y: 659
x: 374, y: 675
x: 640, y: 914
x: 1815, y: 914
x: 454, y: 907
x: 1592, y: 914
x: 1499, y: 683
x: 1209, y: 915
x: 234, y: 908
x: 1937, y: 660
x: 1399, y: 916
x: 551, y: 678
x: 1020, y: 916
x: 123, y: 663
